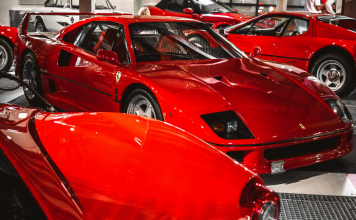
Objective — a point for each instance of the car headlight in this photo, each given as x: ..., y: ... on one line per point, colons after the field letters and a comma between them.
x: 227, y: 125
x: 340, y: 109
x: 269, y: 211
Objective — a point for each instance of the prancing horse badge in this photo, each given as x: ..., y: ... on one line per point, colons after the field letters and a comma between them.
x: 118, y: 76
x: 302, y: 126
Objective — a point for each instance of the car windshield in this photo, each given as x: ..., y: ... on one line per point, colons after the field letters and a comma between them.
x: 167, y: 41
x: 99, y: 4
x: 209, y: 6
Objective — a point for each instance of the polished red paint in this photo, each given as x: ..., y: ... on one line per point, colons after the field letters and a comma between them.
x: 7, y: 32
x: 123, y: 167
x: 299, y: 50
x: 272, y: 99
x: 218, y: 19
x: 109, y: 56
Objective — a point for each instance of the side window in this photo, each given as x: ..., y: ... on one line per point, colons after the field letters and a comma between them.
x: 120, y: 47
x: 100, y: 36
x: 179, y: 5
x: 296, y: 27
x: 269, y: 26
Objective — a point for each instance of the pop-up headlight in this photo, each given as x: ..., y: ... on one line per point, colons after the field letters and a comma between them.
x: 227, y: 125
x: 340, y: 109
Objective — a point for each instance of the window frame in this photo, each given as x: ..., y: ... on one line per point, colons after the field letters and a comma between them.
x: 83, y: 33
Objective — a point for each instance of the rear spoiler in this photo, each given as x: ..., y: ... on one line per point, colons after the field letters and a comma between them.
x: 22, y: 29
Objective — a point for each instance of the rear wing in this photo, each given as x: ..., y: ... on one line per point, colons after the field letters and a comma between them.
x: 24, y: 24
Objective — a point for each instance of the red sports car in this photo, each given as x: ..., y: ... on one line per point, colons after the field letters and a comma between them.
x: 116, y: 166
x: 7, y: 41
x: 321, y: 44
x: 269, y: 116
x: 214, y: 13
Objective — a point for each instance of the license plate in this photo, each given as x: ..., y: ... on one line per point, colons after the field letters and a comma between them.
x: 277, y: 167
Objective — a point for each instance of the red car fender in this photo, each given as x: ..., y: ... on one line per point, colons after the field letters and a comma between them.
x: 9, y: 33
x: 170, y: 104
x: 327, y: 35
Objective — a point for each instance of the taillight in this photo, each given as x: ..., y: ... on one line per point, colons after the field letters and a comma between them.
x: 263, y: 201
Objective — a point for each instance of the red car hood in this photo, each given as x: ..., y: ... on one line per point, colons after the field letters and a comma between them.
x: 125, y: 162
x: 274, y: 105
x: 227, y: 17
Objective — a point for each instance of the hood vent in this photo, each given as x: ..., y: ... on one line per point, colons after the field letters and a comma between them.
x: 218, y: 77
x: 264, y: 74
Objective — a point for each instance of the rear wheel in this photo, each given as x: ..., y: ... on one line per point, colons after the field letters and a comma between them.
x: 6, y: 55
x: 142, y: 102
x: 337, y: 72
x: 31, y: 75
x: 199, y: 41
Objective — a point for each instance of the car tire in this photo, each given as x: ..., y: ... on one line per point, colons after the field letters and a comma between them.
x: 40, y: 27
x: 31, y: 75
x: 6, y: 55
x: 142, y: 102
x: 336, y: 71
x: 199, y: 41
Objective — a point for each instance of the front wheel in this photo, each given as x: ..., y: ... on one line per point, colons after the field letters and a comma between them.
x: 337, y: 72
x: 31, y: 75
x: 6, y: 55
x: 142, y: 102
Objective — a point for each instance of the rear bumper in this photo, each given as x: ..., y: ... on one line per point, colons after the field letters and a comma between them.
x: 305, y: 152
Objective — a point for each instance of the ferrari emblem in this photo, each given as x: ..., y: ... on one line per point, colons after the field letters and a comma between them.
x: 118, y: 76
x: 302, y: 126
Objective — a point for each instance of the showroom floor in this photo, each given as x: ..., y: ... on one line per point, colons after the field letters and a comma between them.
x: 322, y: 191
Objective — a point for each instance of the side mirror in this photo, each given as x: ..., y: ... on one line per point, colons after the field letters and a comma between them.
x: 188, y: 11
x: 256, y: 51
x: 222, y: 32
x: 108, y: 56
x: 236, y: 10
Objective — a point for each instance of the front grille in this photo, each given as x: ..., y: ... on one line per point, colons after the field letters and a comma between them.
x: 237, y: 155
x: 301, y: 149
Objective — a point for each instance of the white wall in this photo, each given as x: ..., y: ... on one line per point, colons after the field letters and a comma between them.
x: 7, y: 5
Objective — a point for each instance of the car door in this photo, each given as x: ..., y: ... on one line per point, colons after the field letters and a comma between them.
x: 91, y: 82
x: 294, y: 43
x: 176, y: 7
x: 263, y: 33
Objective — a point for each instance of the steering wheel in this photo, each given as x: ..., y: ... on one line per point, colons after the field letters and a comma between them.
x: 255, y: 31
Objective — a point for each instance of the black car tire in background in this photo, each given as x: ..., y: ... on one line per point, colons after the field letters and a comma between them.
x: 6, y: 55
x: 345, y: 69
x: 142, y: 98
x: 199, y: 41
x: 30, y: 73
x: 39, y: 25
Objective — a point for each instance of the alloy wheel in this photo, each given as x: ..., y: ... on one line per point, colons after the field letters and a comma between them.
x: 140, y: 105
x: 3, y: 57
x: 332, y: 74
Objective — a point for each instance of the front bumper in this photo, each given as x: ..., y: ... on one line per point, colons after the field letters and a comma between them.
x: 294, y: 154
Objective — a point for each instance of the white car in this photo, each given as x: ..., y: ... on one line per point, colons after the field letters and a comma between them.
x: 55, y: 23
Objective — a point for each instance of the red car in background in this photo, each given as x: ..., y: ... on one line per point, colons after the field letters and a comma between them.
x: 214, y: 13
x: 7, y: 41
x: 268, y: 117
x: 115, y: 166
x: 321, y: 44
